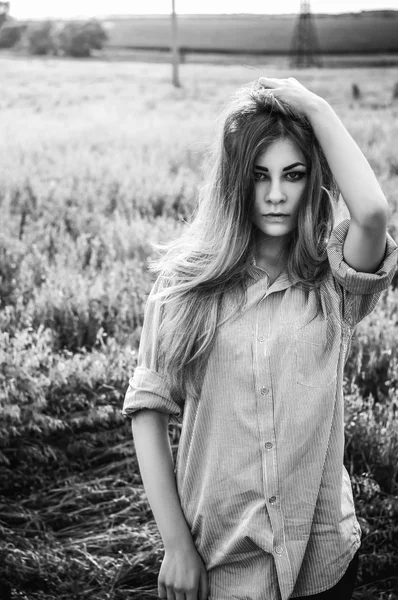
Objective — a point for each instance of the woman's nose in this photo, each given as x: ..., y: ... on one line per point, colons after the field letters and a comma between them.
x: 275, y: 191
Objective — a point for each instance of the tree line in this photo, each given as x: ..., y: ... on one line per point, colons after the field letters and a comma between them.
x: 70, y: 38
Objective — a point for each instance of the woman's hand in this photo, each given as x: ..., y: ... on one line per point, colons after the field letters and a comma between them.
x: 293, y: 93
x: 183, y: 576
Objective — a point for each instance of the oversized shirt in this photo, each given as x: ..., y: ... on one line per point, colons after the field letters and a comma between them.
x: 259, y: 469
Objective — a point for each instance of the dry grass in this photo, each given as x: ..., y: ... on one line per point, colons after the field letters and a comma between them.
x: 98, y: 160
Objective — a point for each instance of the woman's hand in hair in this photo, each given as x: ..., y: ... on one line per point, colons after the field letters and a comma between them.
x: 293, y: 93
x: 355, y: 179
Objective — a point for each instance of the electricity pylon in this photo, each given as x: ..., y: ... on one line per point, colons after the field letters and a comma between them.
x: 4, y: 9
x: 305, y: 50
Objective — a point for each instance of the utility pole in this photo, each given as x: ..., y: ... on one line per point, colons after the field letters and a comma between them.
x: 4, y: 10
x: 174, y: 43
x: 305, y: 50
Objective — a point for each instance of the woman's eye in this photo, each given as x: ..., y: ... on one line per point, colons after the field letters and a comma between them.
x: 299, y: 174
x: 292, y: 176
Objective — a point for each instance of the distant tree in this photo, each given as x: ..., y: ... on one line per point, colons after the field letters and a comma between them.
x: 80, y: 39
x: 10, y: 35
x: 41, y: 38
x: 4, y: 10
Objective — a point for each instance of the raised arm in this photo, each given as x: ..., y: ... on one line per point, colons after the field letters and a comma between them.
x: 365, y: 242
x: 354, y: 176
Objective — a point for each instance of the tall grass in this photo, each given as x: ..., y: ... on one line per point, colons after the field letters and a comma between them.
x: 98, y: 160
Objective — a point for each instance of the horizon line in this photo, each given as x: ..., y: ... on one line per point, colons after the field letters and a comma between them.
x: 181, y: 14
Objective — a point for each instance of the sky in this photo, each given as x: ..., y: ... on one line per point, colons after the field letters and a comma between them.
x: 39, y: 9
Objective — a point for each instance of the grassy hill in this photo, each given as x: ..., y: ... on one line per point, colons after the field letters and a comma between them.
x: 357, y: 33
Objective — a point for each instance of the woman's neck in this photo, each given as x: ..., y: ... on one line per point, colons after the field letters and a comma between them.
x: 270, y: 252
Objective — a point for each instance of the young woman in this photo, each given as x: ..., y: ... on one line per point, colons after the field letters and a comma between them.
x: 246, y: 332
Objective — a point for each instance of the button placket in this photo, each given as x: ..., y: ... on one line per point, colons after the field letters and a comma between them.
x: 267, y: 434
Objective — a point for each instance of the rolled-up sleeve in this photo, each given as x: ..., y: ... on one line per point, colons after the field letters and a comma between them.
x: 358, y: 291
x: 149, y: 386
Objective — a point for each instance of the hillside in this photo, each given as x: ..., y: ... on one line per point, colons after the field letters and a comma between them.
x: 365, y: 32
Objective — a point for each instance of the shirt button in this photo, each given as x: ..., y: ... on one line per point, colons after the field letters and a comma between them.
x: 278, y: 549
x: 261, y: 338
x: 264, y: 390
x: 272, y: 499
x: 268, y: 445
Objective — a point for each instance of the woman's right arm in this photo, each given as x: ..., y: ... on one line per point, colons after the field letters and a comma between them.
x: 182, y: 568
x: 152, y: 445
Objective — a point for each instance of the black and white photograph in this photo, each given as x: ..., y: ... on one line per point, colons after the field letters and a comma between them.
x: 199, y: 300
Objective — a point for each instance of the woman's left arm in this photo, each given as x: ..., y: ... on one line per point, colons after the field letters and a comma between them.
x: 354, y: 176
x: 365, y: 243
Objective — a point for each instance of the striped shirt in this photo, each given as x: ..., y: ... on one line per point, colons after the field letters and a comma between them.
x: 259, y: 469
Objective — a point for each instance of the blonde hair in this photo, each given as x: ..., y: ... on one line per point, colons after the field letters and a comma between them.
x: 209, y: 261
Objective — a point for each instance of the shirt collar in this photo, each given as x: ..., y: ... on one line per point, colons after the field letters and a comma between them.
x: 257, y: 273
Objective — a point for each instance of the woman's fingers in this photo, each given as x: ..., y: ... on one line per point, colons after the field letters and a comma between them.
x: 274, y: 82
x: 268, y: 81
x: 272, y: 91
x: 290, y: 91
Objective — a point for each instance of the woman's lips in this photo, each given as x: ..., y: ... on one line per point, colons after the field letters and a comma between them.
x: 275, y: 217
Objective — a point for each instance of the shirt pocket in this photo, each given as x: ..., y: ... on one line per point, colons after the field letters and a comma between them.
x: 315, y: 367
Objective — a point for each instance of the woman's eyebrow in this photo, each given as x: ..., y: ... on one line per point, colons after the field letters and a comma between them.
x: 285, y: 169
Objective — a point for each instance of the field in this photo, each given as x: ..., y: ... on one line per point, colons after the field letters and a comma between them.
x: 98, y: 160
x: 355, y: 33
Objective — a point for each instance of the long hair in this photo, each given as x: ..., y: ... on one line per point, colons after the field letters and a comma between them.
x: 208, y: 263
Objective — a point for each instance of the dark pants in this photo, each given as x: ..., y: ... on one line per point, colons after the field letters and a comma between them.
x: 343, y: 589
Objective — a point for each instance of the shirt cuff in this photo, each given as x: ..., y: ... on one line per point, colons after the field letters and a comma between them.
x: 148, y: 389
x: 354, y: 281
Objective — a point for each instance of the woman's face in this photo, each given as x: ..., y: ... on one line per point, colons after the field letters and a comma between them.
x: 280, y: 176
